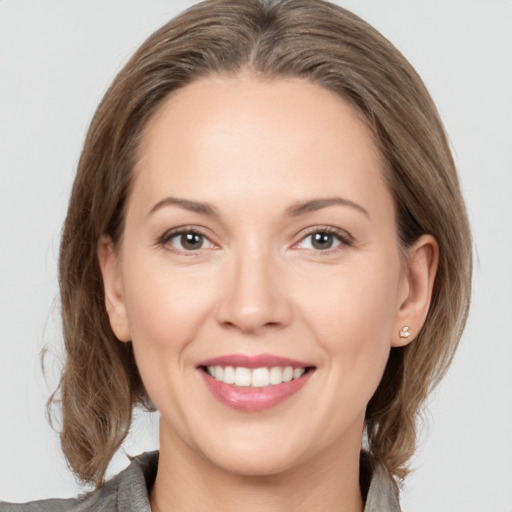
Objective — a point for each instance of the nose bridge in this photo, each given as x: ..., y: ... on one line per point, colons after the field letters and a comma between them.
x: 255, y: 296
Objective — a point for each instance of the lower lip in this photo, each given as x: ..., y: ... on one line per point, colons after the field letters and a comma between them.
x: 246, y: 398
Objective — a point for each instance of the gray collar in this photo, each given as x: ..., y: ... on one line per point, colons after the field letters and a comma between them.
x: 383, y: 493
x: 140, y: 474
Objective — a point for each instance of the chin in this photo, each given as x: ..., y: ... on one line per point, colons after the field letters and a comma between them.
x: 259, y: 454
x: 257, y: 464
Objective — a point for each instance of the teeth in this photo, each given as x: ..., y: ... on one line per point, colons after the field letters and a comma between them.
x: 260, y: 378
x: 229, y: 375
x: 287, y: 374
x: 242, y: 376
x: 298, y: 372
x: 257, y: 378
x: 276, y: 375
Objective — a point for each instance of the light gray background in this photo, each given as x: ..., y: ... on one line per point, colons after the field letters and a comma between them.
x: 56, y: 59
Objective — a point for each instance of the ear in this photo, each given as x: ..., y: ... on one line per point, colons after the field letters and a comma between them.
x: 420, y: 272
x: 108, y: 259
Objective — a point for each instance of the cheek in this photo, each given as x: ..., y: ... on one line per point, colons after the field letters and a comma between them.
x: 163, y: 307
x: 165, y: 311
x: 351, y: 314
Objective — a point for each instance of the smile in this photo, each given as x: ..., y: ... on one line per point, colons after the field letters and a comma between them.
x: 257, y: 377
x: 254, y: 383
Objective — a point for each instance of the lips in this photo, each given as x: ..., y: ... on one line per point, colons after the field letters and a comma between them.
x: 254, y: 383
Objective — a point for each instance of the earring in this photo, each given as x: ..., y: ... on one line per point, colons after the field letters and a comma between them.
x: 404, y: 333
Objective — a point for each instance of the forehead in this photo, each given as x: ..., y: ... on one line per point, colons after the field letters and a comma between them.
x: 221, y: 137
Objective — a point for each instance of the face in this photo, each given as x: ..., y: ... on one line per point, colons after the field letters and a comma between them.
x: 259, y: 275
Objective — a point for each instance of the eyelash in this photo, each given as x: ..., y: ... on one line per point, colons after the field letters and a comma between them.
x: 343, y: 237
x: 169, y: 235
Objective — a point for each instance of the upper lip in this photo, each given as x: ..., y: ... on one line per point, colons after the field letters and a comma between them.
x: 254, y: 361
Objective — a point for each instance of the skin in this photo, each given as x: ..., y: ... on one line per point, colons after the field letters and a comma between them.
x: 253, y: 149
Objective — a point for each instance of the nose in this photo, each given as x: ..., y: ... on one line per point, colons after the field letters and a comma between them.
x: 253, y: 296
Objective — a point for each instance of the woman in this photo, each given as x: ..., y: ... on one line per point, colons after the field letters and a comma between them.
x: 266, y: 242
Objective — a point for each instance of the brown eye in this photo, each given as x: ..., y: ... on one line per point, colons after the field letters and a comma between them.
x: 323, y: 240
x: 188, y: 241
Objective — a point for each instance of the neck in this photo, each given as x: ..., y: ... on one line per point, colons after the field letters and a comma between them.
x: 188, y: 481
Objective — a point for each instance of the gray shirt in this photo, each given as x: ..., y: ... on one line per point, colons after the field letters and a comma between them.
x: 128, y: 492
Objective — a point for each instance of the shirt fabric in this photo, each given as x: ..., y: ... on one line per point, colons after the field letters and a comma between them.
x: 128, y: 492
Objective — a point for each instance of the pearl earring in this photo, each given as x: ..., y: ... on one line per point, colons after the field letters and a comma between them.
x: 404, y: 333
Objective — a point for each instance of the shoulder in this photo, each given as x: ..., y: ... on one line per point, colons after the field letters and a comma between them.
x: 62, y: 505
x: 380, y: 488
x: 126, y: 492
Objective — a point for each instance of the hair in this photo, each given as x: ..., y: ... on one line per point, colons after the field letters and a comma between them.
x: 326, y: 45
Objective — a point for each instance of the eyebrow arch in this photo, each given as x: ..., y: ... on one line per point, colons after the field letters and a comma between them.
x: 298, y: 209
x: 186, y: 204
x: 295, y: 210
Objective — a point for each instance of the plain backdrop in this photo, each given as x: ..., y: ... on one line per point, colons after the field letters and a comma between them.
x: 56, y: 59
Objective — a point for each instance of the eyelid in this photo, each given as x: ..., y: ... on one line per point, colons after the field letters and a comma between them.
x: 343, y: 236
x: 346, y: 240
x: 180, y: 230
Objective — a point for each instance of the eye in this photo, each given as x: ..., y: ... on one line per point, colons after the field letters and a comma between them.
x: 186, y: 241
x: 323, y: 240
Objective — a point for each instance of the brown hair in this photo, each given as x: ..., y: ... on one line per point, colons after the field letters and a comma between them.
x: 326, y: 45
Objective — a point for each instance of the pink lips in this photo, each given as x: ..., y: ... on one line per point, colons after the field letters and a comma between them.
x: 253, y: 398
x: 257, y: 361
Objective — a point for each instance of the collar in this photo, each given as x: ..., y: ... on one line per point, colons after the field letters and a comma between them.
x: 134, y: 482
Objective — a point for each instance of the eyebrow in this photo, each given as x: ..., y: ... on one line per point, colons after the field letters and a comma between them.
x: 187, y: 204
x: 297, y: 209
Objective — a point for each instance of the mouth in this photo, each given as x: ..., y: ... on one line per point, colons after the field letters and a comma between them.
x: 254, y: 383
x: 263, y: 377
